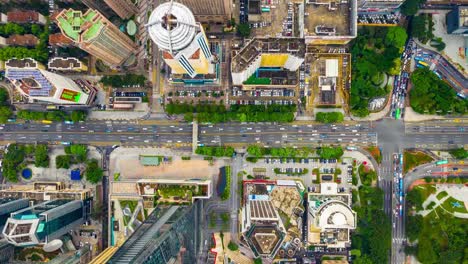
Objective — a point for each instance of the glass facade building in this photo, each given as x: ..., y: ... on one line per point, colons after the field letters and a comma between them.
x: 44, y: 222
x: 169, y: 235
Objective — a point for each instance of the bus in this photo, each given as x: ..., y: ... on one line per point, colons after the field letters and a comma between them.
x: 46, y: 122
x: 423, y: 63
x: 441, y: 162
x: 65, y: 143
x: 437, y: 73
x: 417, y: 58
x: 398, y: 113
x: 461, y: 95
x: 68, y: 122
x: 401, y: 159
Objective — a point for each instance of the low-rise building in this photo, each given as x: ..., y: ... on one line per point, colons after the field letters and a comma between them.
x: 26, y: 17
x: 267, y: 71
x: 66, y: 64
x: 60, y: 40
x: 27, y: 40
x: 40, y: 86
x: 45, y: 191
x: 330, y: 217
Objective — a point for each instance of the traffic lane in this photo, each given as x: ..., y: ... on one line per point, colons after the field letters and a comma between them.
x: 96, y: 136
x: 441, y: 128
x: 278, y: 139
x: 411, y: 140
x: 271, y: 127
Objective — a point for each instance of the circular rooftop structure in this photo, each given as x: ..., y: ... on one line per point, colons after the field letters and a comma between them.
x: 339, y: 219
x: 172, y: 26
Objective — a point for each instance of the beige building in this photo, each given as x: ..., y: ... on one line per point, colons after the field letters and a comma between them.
x: 210, y: 11
x: 95, y: 34
x: 123, y: 8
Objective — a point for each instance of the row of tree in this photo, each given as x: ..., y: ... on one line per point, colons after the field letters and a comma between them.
x: 215, y: 151
x: 9, y: 29
x: 213, y: 113
x: 5, y: 110
x: 430, y: 95
x: 126, y: 80
x: 371, y: 242
x: 55, y: 115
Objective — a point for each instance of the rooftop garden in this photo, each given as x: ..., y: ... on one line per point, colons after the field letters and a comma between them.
x: 254, y: 80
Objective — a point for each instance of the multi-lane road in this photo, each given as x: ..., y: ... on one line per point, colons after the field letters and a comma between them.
x: 387, y: 133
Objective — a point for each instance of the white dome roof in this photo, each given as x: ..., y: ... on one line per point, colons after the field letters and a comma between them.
x: 182, y: 30
x: 339, y: 219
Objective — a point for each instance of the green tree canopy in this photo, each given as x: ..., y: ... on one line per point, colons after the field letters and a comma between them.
x: 244, y: 30
x: 93, y: 172
x: 63, y: 161
x: 41, y: 156
x: 396, y: 36
x: 459, y: 153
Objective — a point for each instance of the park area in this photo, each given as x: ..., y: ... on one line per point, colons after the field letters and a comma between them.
x: 437, y: 221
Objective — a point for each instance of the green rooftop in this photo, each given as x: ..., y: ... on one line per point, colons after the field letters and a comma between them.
x: 72, y: 22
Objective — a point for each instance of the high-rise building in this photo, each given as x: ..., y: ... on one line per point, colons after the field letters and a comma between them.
x: 123, y: 8
x: 98, y: 5
x: 185, y: 47
x: 96, y: 35
x: 210, y: 11
x: 169, y: 235
x: 9, y: 205
x: 44, y: 222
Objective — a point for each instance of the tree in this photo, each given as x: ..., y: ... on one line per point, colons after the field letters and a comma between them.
x: 459, y: 153
x: 93, y: 172
x: 78, y: 116
x: 41, y: 156
x: 243, y: 29
x: 63, y: 161
x: 80, y: 152
x: 430, y: 95
x: 396, y: 36
x: 258, y: 261
x: 3, y: 96
x: 255, y: 150
x: 410, y: 7
x: 233, y: 246
x: 330, y: 152
x: 363, y: 260
x: 5, y: 113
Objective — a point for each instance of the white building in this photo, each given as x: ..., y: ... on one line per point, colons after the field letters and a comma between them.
x: 40, y: 86
x: 186, y: 50
x: 330, y: 217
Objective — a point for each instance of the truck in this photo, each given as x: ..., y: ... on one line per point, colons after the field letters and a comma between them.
x: 46, y: 122
x: 351, y: 148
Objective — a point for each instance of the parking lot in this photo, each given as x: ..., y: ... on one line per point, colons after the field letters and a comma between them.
x: 303, y: 168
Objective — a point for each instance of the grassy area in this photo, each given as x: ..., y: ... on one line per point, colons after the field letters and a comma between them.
x: 414, y: 159
x: 448, y: 205
x: 375, y: 152
x: 430, y: 206
x: 441, y: 195
x: 426, y: 190
x: 131, y: 204
x: 254, y: 80
x: 116, y: 176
